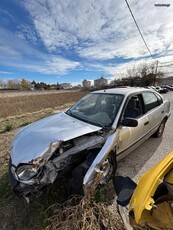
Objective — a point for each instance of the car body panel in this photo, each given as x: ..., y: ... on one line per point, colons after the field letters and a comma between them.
x: 34, y: 140
x: 147, y: 185
x: 128, y: 136
x: 95, y: 166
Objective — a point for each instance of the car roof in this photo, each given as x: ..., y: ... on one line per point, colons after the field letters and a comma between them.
x: 123, y: 90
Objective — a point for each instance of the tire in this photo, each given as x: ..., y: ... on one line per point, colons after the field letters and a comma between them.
x: 76, y: 179
x: 111, y: 167
x: 77, y: 176
x: 160, y: 130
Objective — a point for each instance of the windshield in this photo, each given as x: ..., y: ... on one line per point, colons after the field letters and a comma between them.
x: 97, y: 108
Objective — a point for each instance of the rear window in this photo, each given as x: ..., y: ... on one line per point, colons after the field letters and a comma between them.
x: 150, y: 101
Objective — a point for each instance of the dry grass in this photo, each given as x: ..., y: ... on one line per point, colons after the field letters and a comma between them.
x: 13, y: 106
x: 81, y: 214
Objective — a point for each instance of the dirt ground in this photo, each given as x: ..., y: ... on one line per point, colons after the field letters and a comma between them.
x: 18, y: 105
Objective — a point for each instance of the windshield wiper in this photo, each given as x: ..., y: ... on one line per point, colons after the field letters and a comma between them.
x: 96, y: 123
x: 70, y: 113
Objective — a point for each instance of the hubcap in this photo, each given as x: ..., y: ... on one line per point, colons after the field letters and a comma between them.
x: 107, y: 170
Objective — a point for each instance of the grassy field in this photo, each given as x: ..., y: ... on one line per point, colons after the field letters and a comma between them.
x: 17, y: 112
x: 12, y: 106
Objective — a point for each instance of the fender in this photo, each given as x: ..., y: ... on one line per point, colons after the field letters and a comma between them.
x: 92, y: 178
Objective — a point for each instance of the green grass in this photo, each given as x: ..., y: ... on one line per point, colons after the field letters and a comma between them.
x: 104, y: 193
x: 24, y: 124
x: 8, y: 127
x: 5, y: 189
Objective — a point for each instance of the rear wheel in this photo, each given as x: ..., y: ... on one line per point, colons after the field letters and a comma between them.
x: 160, y: 130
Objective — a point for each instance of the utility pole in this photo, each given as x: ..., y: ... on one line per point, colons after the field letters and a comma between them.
x: 156, y: 72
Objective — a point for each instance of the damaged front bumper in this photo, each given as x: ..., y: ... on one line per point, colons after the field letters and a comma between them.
x: 22, y: 189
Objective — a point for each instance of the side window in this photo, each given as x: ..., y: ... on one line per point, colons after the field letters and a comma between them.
x: 150, y: 101
x: 134, y: 107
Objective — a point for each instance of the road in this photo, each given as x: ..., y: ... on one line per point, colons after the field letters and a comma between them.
x: 150, y: 152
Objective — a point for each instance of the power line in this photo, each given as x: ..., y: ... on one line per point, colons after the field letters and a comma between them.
x: 139, y: 30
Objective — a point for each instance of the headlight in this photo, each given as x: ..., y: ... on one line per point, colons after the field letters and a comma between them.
x: 26, y: 172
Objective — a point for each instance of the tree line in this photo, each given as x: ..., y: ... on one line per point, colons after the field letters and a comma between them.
x: 24, y: 84
x: 144, y: 74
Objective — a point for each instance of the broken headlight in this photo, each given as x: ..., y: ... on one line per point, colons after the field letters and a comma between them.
x: 26, y: 172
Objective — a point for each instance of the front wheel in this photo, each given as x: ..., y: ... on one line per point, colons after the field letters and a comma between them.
x: 160, y: 130
x: 108, y: 168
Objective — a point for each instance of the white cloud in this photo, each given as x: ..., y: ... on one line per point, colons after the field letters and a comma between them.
x: 52, y: 65
x: 27, y: 32
x: 102, y: 30
x: 17, y: 53
x: 58, y: 65
x: 6, y: 16
x: 6, y: 72
x: 120, y: 70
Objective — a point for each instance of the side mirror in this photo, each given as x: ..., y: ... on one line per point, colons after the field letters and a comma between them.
x: 129, y: 122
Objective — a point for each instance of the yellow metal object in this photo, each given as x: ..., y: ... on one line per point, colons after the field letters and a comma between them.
x: 147, y: 185
x: 169, y: 177
x: 160, y: 217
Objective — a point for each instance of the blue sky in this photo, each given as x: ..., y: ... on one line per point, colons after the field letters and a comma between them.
x: 68, y: 41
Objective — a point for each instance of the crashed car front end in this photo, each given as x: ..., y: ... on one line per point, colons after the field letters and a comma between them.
x: 29, y: 176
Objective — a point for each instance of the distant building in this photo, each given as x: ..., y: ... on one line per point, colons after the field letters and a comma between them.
x: 77, y: 86
x: 66, y: 86
x: 54, y: 87
x: 86, y: 84
x: 99, y: 83
x: 166, y: 81
x: 32, y: 86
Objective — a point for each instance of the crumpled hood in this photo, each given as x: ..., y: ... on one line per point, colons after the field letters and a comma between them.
x: 33, y: 140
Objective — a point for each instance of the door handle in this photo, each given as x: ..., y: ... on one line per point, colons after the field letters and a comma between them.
x: 146, y: 123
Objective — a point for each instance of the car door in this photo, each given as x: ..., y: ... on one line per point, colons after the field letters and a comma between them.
x: 153, y: 104
x: 131, y: 137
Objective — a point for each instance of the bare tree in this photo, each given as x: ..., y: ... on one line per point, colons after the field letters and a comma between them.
x: 13, y: 84
x: 132, y: 74
x: 1, y: 84
x: 145, y: 73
